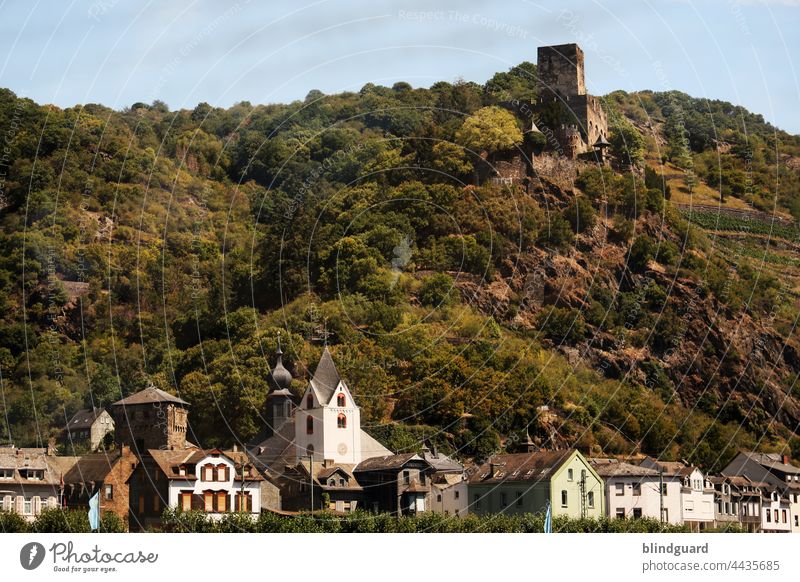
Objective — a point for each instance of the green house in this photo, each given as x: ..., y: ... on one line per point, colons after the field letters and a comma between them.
x: 525, y: 482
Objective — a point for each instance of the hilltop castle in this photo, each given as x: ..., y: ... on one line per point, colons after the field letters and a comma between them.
x: 576, y: 119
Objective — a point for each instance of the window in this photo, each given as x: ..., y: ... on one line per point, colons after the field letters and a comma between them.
x: 309, y: 401
x: 477, y: 501
x: 422, y: 478
x: 439, y: 497
x: 222, y: 501
x: 590, y: 498
x: 182, y: 470
x: 637, y: 513
x: 563, y: 498
x: 109, y: 492
x: 6, y: 473
x: 619, y: 488
x: 519, y: 498
x: 769, y: 516
x: 341, y: 421
x: 569, y: 474
x: 27, y: 507
x: 620, y: 513
x: 796, y: 521
x: 406, y: 477
x: 503, y: 500
x: 244, y: 501
x: 637, y: 488
x: 208, y: 472
x: 457, y: 495
x: 222, y: 472
x: 185, y: 500
x: 664, y: 489
x: 341, y: 401
x: 784, y: 519
x: 776, y: 516
x: 208, y: 501
x: 309, y: 425
x: 156, y: 503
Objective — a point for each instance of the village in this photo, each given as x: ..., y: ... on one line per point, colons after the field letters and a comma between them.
x: 313, y: 456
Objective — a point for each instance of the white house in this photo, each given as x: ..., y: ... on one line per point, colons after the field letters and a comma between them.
x: 775, y: 509
x: 327, y: 420
x: 634, y: 491
x: 697, y: 492
x: 215, y: 482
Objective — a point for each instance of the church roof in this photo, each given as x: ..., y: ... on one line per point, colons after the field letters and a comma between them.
x: 150, y: 395
x: 326, y: 378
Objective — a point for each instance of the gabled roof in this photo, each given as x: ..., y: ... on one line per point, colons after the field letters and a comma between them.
x: 94, y: 467
x: 617, y: 468
x: 672, y: 468
x: 537, y: 466
x: 36, y: 459
x: 388, y: 462
x: 326, y: 378
x: 150, y: 395
x: 772, y: 461
x: 84, y: 418
x: 169, y: 462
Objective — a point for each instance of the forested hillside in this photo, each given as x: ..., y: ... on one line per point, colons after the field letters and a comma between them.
x: 150, y: 246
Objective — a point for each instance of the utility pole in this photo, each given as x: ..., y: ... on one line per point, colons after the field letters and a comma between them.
x: 311, y: 477
x: 583, y: 494
x: 661, y: 494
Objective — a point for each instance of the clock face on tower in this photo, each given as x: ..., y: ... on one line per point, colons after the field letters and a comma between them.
x: 342, y: 449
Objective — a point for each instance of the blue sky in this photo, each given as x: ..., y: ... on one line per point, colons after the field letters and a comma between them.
x: 118, y: 52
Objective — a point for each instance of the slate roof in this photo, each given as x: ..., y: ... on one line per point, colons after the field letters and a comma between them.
x: 150, y: 395
x: 326, y: 378
x: 537, y: 466
x: 84, y: 418
x: 773, y: 461
x: 388, y: 462
x: 617, y: 468
x: 441, y: 462
x: 94, y: 467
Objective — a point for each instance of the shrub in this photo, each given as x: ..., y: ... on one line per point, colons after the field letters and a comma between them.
x: 12, y: 522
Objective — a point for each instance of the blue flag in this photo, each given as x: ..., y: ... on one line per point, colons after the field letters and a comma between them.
x: 548, y: 519
x: 94, y: 512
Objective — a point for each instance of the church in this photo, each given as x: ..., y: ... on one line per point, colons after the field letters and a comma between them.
x: 314, y: 449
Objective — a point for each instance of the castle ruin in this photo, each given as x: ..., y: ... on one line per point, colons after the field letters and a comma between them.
x: 576, y: 118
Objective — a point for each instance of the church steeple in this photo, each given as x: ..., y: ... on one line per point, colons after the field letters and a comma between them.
x: 281, y: 377
x: 279, y: 399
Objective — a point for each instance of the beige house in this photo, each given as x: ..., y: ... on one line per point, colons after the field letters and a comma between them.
x: 87, y: 429
x: 31, y: 479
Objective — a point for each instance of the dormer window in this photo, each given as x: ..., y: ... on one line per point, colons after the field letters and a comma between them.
x: 6, y: 473
x: 341, y: 421
x: 341, y: 401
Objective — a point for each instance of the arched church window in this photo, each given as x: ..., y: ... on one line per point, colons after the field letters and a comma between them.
x: 310, y: 401
x: 341, y: 401
x: 341, y: 421
x: 310, y: 425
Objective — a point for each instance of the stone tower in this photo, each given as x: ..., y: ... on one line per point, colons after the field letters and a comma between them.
x: 151, y: 419
x: 560, y: 70
x: 563, y: 101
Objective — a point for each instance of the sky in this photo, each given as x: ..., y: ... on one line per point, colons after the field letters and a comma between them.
x: 116, y: 52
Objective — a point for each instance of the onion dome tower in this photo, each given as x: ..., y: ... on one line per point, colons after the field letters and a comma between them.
x: 280, y: 403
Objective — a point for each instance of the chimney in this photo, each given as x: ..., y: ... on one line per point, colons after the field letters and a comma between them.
x: 492, y: 469
x: 235, y: 448
x: 785, y: 459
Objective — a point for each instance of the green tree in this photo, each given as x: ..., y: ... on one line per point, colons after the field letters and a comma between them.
x: 490, y: 129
